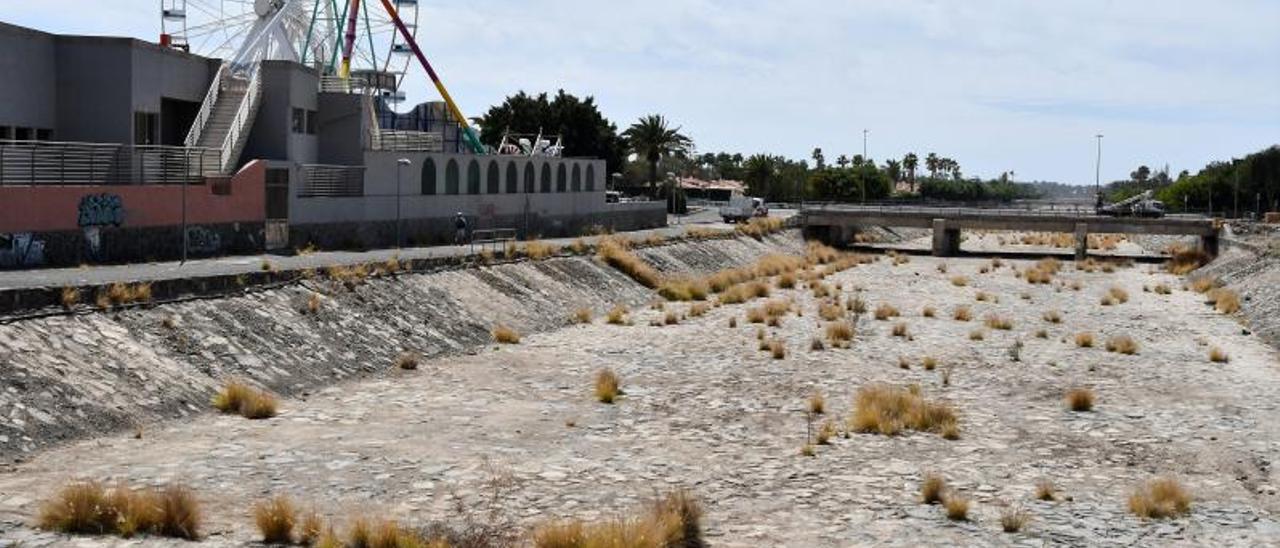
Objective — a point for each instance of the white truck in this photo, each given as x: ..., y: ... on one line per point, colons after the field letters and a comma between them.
x: 743, y: 208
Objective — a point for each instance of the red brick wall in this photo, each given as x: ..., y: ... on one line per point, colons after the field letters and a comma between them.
x: 57, y: 208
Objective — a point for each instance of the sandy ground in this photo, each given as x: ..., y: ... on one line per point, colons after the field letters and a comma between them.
x: 515, y: 429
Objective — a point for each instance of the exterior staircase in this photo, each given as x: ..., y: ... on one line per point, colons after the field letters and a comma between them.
x: 227, y: 115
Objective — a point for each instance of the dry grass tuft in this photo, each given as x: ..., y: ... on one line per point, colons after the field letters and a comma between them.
x: 1053, y: 316
x: 825, y: 432
x: 900, y: 329
x: 959, y: 281
x: 1080, y: 400
x: 1046, y: 491
x: 1084, y: 340
x: 830, y: 311
x: 957, y: 507
x: 1225, y: 301
x: 88, y: 508
x: 1122, y: 344
x: 1118, y: 294
x: 929, y: 363
x: 1160, y: 498
x: 408, y: 361
x: 1185, y: 260
x: 1204, y: 285
x: 888, y: 410
x: 885, y: 311
x: 671, y: 318
x: 1013, y: 519
x: 1163, y: 289
x: 1218, y: 355
x: 962, y: 314
x: 817, y: 403
x: 249, y: 402
x: 757, y: 315
x: 994, y: 321
x: 615, y: 254
x: 817, y: 345
x: 581, y: 316
x: 983, y: 297
x: 275, y: 519
x: 933, y: 489
x: 505, y: 335
x: 608, y: 386
x: 69, y: 297
x: 537, y: 251
x: 839, y: 333
x: 778, y: 349
x: 787, y: 281
x: 760, y: 227
x: 684, y: 290
x: 617, y: 315
x: 929, y: 312
x: 673, y: 521
x: 977, y: 335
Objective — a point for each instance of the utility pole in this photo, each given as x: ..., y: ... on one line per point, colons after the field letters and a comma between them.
x: 1236, y: 196
x: 864, y: 144
x: 1097, y: 175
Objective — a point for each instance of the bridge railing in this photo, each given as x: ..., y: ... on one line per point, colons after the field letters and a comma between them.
x: 965, y: 210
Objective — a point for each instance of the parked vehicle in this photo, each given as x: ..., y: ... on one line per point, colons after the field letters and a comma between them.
x: 743, y: 208
x: 1142, y: 205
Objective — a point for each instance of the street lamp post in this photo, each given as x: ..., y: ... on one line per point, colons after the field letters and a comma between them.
x: 400, y: 165
x: 1097, y: 174
x: 864, y: 144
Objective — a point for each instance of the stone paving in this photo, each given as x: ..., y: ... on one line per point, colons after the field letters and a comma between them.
x: 514, y: 429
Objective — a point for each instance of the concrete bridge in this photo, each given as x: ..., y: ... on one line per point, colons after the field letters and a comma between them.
x: 838, y: 224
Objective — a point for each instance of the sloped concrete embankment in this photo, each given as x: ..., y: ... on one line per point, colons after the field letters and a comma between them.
x: 1254, y: 273
x: 71, y: 377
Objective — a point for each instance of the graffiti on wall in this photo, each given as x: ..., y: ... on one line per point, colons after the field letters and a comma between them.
x: 201, y: 240
x: 101, y: 210
x: 21, y: 250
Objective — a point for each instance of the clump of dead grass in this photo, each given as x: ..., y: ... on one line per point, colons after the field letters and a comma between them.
x: 581, y: 316
x: 959, y: 281
x: 505, y: 335
x: 889, y: 410
x: 839, y: 333
x: 672, y: 521
x: 933, y: 489
x: 886, y: 311
x: 957, y: 507
x: 1013, y: 519
x: 608, y: 386
x: 239, y: 397
x: 1225, y: 301
x: 89, y: 508
x: 684, y: 289
x: 275, y: 519
x: 408, y: 361
x: 617, y: 315
x: 1046, y: 491
x: 962, y: 313
x: 1052, y: 316
x: 1084, y: 340
x: 1080, y: 400
x: 901, y: 329
x: 614, y: 253
x: 69, y: 297
x: 1001, y: 323
x: 929, y: 312
x: 1218, y: 355
x: 1122, y: 344
x: 778, y: 349
x: 1160, y: 498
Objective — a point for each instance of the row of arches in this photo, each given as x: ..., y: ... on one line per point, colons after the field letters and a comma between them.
x: 496, y: 180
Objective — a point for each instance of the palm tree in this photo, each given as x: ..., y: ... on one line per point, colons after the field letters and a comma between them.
x: 894, y: 169
x: 652, y: 138
x: 910, y: 162
x: 842, y: 161
x: 931, y: 164
x: 819, y: 161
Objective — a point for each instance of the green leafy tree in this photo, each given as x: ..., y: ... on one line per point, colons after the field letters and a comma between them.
x: 652, y: 138
x: 586, y: 132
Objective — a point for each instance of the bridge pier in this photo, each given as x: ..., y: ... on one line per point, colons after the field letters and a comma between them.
x: 946, y: 239
x: 1082, y: 241
x: 1209, y: 245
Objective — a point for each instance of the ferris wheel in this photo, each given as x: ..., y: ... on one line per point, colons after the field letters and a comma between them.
x: 311, y: 32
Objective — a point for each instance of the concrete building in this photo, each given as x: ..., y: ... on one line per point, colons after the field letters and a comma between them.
x: 117, y: 150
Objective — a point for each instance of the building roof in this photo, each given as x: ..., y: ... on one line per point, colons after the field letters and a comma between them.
x: 693, y: 183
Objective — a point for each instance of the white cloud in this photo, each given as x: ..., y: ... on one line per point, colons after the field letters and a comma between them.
x: 996, y: 84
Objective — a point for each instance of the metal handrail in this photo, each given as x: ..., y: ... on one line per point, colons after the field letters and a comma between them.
x: 244, y: 116
x: 494, y: 236
x: 942, y: 211
x: 206, y: 108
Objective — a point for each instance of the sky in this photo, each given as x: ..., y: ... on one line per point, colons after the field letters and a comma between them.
x: 998, y: 85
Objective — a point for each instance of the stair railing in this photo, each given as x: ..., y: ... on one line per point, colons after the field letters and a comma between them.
x: 206, y: 108
x: 242, y: 123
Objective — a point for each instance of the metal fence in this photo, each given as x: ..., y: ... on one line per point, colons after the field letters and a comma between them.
x: 325, y: 181
x: 55, y: 163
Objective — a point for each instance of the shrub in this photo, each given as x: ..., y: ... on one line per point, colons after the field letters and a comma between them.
x: 1080, y: 400
x: 313, y: 304
x: 1119, y: 295
x: 787, y: 281
x: 505, y: 335
x: 830, y: 311
x: 929, y: 312
x: 885, y: 311
x: 1184, y: 260
x: 1225, y: 301
x: 1217, y: 355
x: 251, y: 403
x: 962, y: 314
x: 1122, y: 344
x: 760, y: 227
x: 957, y: 507
x: 888, y: 410
x: 275, y: 519
x: 1053, y: 316
x: 1160, y: 498
x: 87, y: 508
x: 778, y: 349
x: 673, y: 521
x: 1013, y: 520
x: 408, y: 360
x: 857, y: 305
x: 994, y: 321
x: 933, y: 489
x: 900, y: 329
x: 757, y: 315
x: 684, y: 290
x: 959, y: 281
x: 930, y: 363
x: 311, y: 530
x: 699, y: 310
x: 744, y: 292
x: 617, y: 315
x: 608, y: 386
x: 1084, y: 340
x: 69, y: 297
x: 538, y: 251
x: 581, y: 316
x: 616, y: 255
x: 1204, y: 285
x: 817, y: 403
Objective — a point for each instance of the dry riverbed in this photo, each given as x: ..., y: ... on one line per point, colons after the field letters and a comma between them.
x: 512, y: 434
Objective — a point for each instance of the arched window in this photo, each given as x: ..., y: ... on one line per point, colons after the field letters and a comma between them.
x: 495, y: 178
x: 451, y: 177
x: 473, y: 178
x: 562, y: 179
x: 576, y: 183
x: 428, y: 176
x: 530, y: 178
x: 546, y: 178
x: 513, y: 178
x: 591, y: 178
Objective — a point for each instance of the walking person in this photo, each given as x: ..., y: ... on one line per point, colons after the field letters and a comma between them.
x: 460, y: 227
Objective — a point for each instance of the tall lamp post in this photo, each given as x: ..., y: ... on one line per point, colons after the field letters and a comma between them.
x: 1097, y: 174
x: 400, y: 165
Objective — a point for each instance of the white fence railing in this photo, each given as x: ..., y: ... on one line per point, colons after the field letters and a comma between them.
x: 206, y: 108
x: 326, y: 181
x: 238, y: 133
x: 54, y: 163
